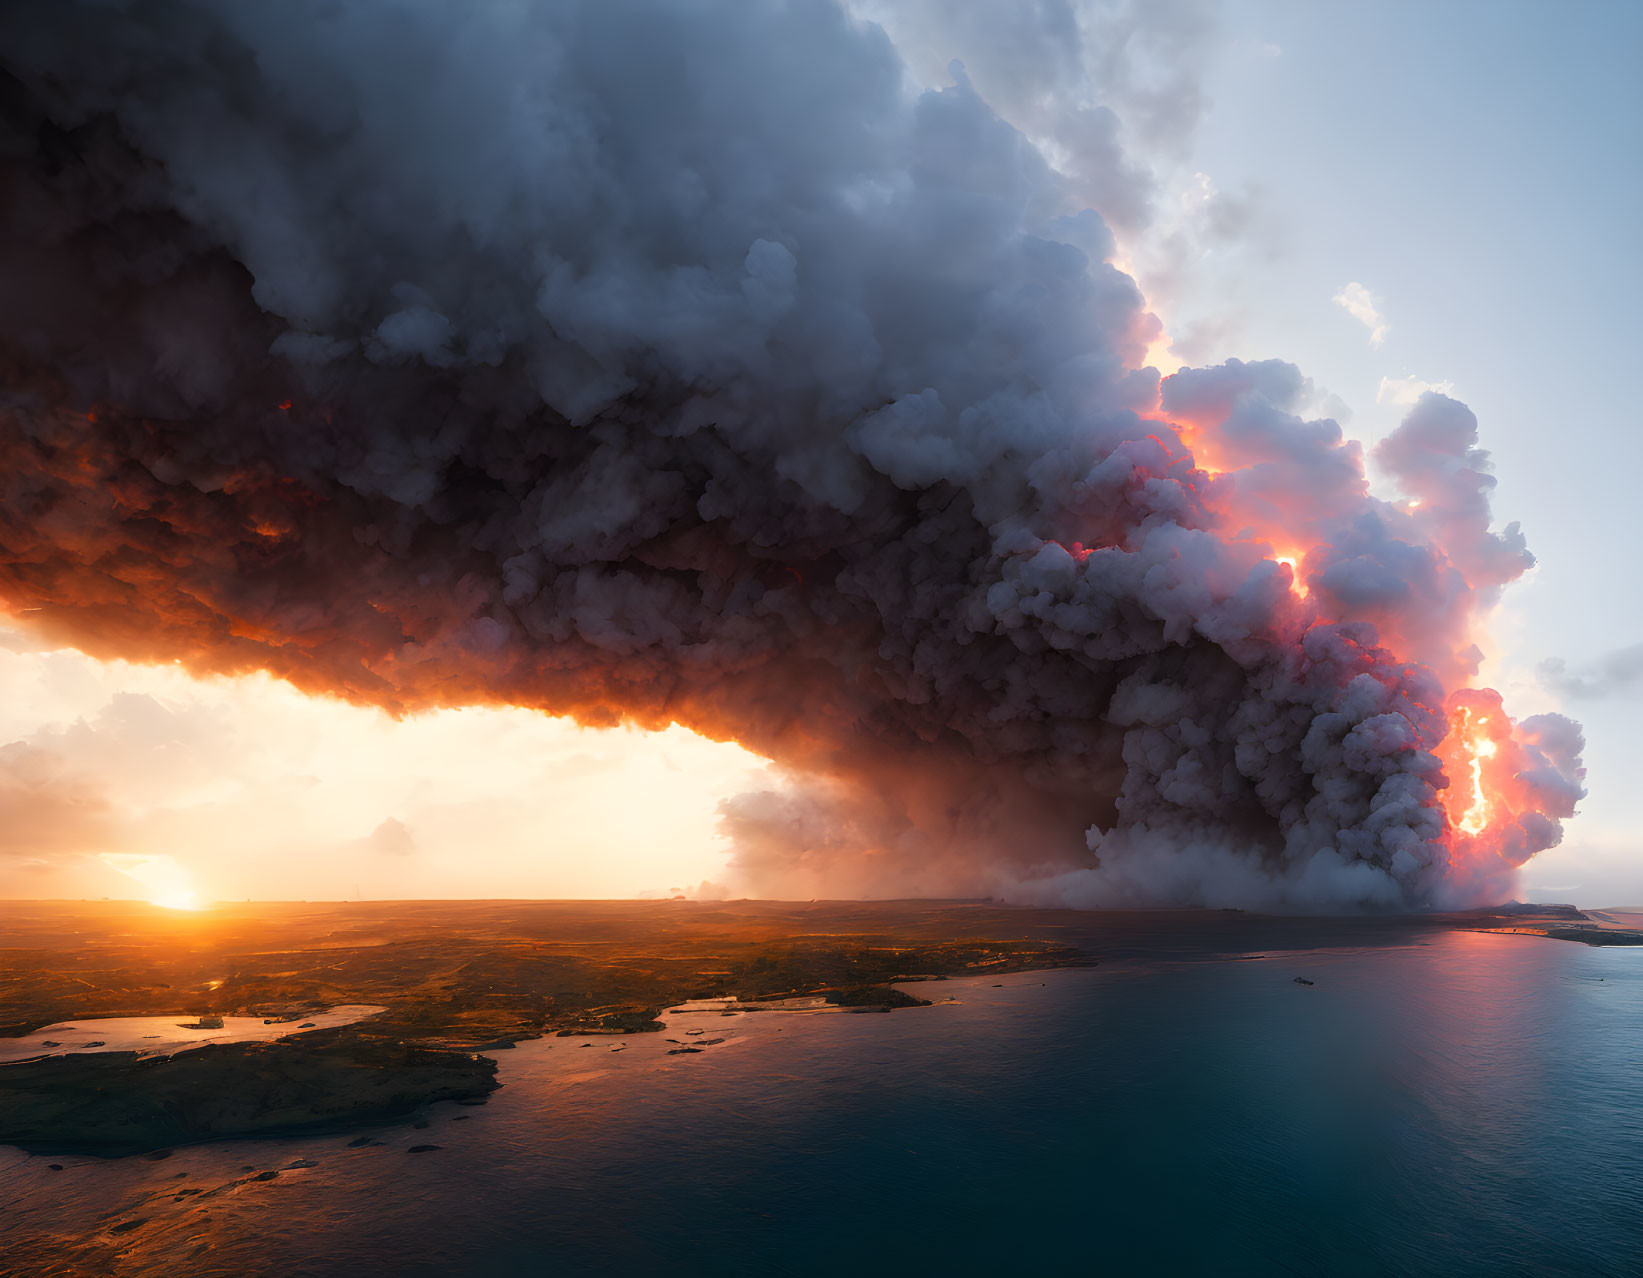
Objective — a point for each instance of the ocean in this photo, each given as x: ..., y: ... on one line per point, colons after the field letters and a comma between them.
x: 1464, y: 1104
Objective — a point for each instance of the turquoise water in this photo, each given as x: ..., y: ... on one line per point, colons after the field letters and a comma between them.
x: 1473, y: 1105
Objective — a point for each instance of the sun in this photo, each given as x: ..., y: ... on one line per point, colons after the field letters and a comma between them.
x: 167, y: 882
x: 177, y: 899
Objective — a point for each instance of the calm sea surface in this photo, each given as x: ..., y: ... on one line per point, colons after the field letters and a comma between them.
x: 1472, y: 1105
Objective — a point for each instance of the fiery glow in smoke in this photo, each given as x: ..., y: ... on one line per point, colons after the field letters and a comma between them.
x: 1292, y: 561
x: 1479, y: 745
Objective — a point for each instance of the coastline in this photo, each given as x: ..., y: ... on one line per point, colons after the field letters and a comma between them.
x: 424, y: 1010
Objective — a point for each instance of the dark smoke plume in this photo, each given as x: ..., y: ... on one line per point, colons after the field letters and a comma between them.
x: 665, y: 362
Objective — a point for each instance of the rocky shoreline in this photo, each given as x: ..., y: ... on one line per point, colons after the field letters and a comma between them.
x: 1566, y: 923
x: 119, y: 1103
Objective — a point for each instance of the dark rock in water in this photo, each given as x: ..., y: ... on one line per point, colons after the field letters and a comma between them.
x: 306, y: 1025
x: 1550, y: 911
x: 55, y: 1166
x: 50, y: 1042
x: 474, y: 1100
x: 690, y: 1032
x: 155, y: 1155
x: 501, y: 1045
x: 885, y: 996
x: 423, y: 1149
x: 267, y: 1175
x: 300, y: 1163
x: 420, y: 1123
x: 360, y: 1142
x: 95, y: 1043
x: 640, y: 1022
x: 126, y: 1226
x: 1596, y: 936
x: 118, y: 1103
x: 710, y: 1042
x: 1301, y: 980
x: 461, y: 1118
x: 204, y: 1022
x: 682, y: 1051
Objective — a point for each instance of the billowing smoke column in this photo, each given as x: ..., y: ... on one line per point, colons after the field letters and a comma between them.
x: 682, y: 363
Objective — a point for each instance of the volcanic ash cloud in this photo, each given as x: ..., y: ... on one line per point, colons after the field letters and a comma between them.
x: 683, y: 363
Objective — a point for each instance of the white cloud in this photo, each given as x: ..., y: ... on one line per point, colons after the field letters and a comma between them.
x: 1359, y: 303
x: 1404, y: 391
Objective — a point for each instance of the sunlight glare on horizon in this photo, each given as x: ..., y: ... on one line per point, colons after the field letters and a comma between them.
x: 166, y: 882
x: 210, y: 789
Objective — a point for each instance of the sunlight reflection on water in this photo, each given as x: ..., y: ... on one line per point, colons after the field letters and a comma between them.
x: 167, y: 1033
